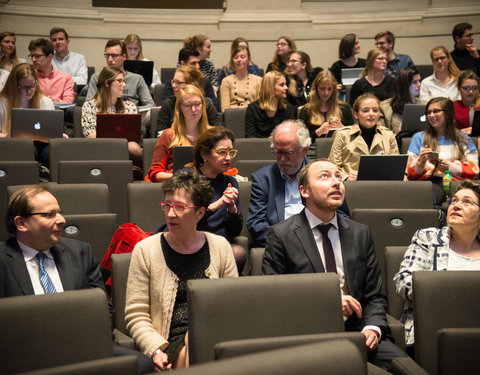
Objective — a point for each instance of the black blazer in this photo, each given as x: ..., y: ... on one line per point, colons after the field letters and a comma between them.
x: 291, y: 248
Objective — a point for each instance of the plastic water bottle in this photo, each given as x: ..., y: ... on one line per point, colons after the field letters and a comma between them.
x: 447, y: 179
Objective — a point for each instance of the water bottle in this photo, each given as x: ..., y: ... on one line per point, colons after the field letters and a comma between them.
x: 447, y: 179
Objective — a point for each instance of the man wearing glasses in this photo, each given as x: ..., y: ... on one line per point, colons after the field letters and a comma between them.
x: 465, y: 54
x: 274, y: 195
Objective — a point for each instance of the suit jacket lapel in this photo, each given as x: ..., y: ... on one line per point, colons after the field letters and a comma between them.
x: 18, y: 267
x: 63, y: 261
x: 279, y: 194
x: 305, y: 239
x: 348, y: 252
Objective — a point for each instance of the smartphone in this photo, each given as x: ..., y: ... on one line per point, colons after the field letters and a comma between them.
x: 433, y: 158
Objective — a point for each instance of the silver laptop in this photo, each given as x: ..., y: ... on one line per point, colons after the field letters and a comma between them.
x: 382, y: 167
x: 350, y: 75
x: 414, y: 118
x: 36, y: 124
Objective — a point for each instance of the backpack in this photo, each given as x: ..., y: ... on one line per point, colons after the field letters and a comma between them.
x: 123, y: 241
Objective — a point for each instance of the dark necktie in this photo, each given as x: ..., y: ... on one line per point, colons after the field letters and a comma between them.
x: 45, y: 280
x: 330, y: 265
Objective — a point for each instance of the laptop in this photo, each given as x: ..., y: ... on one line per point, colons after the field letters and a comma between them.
x: 414, y: 119
x: 119, y: 125
x: 350, y: 75
x: 144, y: 68
x: 382, y: 167
x: 36, y: 124
x: 182, y: 155
x: 476, y: 124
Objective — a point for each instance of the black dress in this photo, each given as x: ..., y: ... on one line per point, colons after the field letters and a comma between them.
x: 259, y: 125
x: 185, y: 267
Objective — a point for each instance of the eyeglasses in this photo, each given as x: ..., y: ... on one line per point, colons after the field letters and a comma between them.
x: 282, y: 44
x: 112, y: 55
x: 470, y: 88
x: 192, y: 105
x: 120, y: 80
x: 178, y: 208
x: 462, y: 202
x: 36, y: 56
x: 434, y: 112
x: 177, y: 83
x: 28, y: 88
x: 292, y: 61
x: 223, y: 152
x: 287, y: 154
x: 47, y: 215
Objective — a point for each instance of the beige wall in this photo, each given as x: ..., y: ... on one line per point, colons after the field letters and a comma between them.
x: 317, y: 26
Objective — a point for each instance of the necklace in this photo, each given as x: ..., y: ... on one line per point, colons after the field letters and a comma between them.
x: 235, y: 91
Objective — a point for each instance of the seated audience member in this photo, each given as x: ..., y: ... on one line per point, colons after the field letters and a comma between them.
x: 465, y: 54
x: 55, y: 84
x: 467, y: 84
x: 443, y: 81
x: 161, y: 265
x: 66, y: 61
x: 21, y: 91
x: 456, y: 151
x: 285, y: 46
x: 190, y: 56
x: 240, y: 88
x: 136, y: 90
x: 406, y: 87
x: 229, y: 68
x: 185, y: 75
x: 270, y: 109
x: 133, y: 43
x: 317, y: 240
x: 109, y: 99
x: 373, y: 78
x: 455, y: 247
x: 36, y: 260
x: 203, y: 45
x: 8, y: 52
x: 274, y: 193
x: 364, y: 138
x: 348, y: 50
x: 214, y: 153
x: 324, y: 113
x: 385, y: 40
x: 301, y: 76
x: 189, y: 121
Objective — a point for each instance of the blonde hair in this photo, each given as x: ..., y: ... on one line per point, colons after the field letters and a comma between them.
x: 11, y: 91
x: 179, y: 126
x: 102, y: 96
x: 314, y: 103
x: 453, y: 70
x: 371, y: 57
x: 134, y: 38
x: 267, y: 99
x: 195, y: 41
x: 192, y: 76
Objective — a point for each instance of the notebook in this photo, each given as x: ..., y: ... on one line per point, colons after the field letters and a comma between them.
x: 144, y: 68
x: 350, y: 75
x: 182, y: 155
x: 476, y: 125
x: 37, y: 124
x: 414, y: 118
x: 119, y: 125
x: 382, y: 167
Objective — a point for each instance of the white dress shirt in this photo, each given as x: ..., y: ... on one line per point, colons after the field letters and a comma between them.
x: 73, y: 64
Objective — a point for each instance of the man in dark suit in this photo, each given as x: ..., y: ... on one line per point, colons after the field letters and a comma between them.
x: 274, y: 193
x: 297, y: 245
x: 38, y: 261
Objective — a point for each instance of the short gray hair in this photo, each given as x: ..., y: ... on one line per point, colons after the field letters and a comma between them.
x: 303, y: 135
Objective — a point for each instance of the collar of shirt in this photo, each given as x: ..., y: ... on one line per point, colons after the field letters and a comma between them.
x: 30, y: 253
x: 41, y: 75
x: 65, y: 58
x: 314, y: 221
x: 287, y: 177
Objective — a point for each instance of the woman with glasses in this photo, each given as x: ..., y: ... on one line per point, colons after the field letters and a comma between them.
x: 135, y: 52
x: 324, y: 113
x: 301, y: 76
x: 156, y: 300
x: 109, y: 99
x: 240, y: 88
x: 8, y: 54
x: 443, y: 81
x: 285, y: 46
x: 189, y: 122
x: 373, y: 77
x: 468, y: 83
x: 364, y: 138
x: 455, y: 247
x: 185, y: 75
x: 441, y: 147
x: 270, y: 109
x: 348, y: 50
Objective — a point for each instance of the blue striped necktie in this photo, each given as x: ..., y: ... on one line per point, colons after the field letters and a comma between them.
x: 45, y: 280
